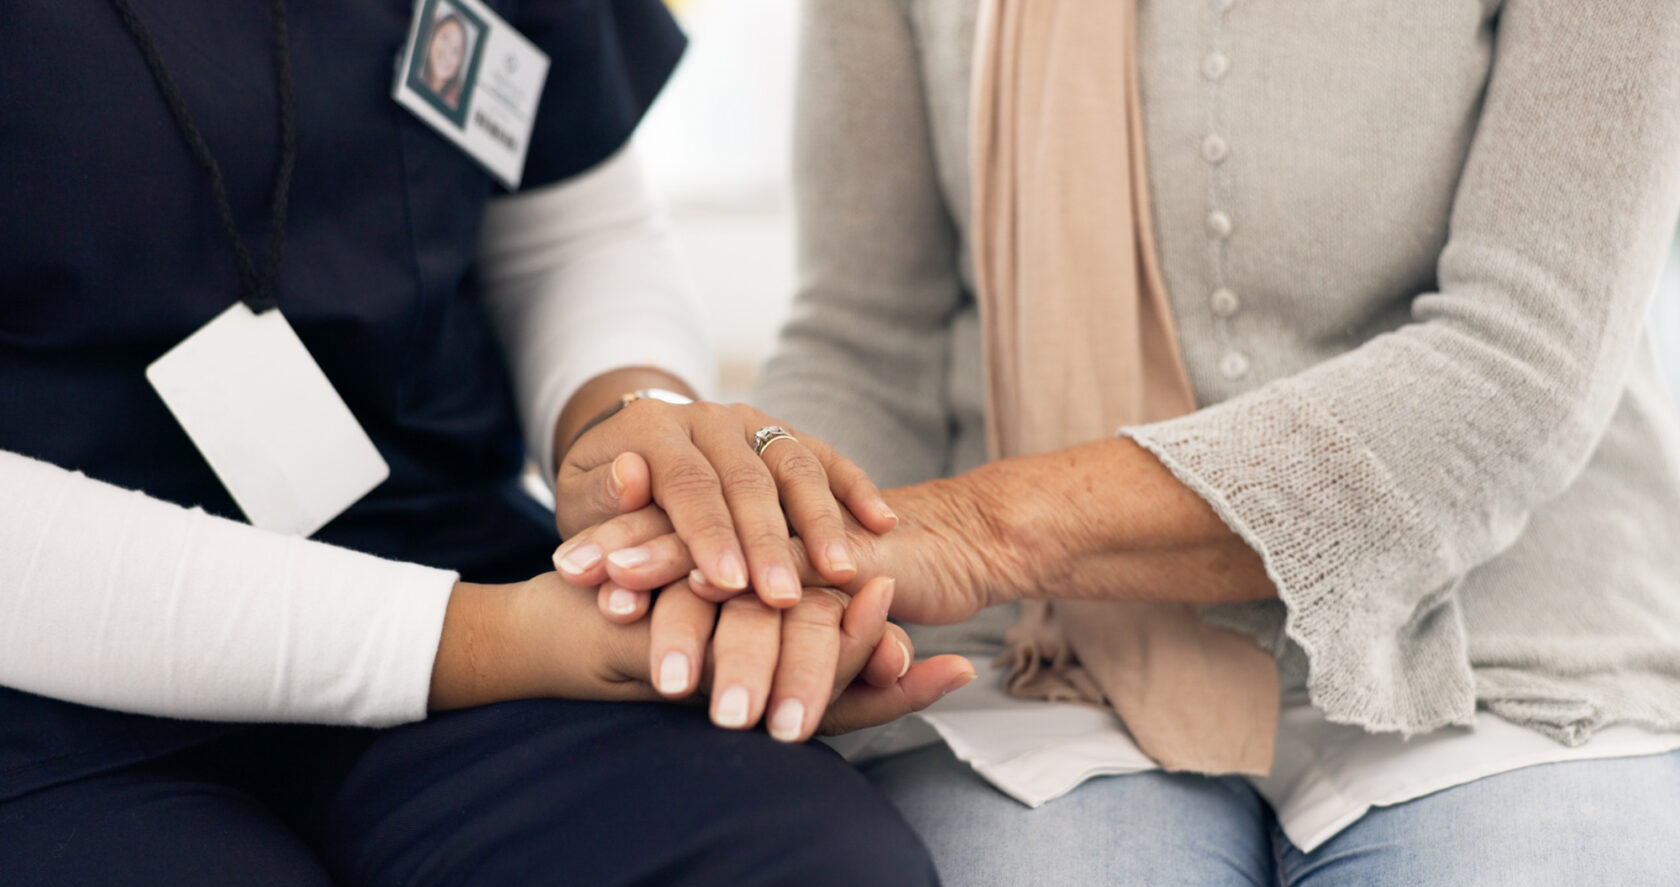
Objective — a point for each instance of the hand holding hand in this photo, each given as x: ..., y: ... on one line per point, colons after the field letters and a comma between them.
x: 946, y: 556
x: 544, y: 638
x: 731, y: 506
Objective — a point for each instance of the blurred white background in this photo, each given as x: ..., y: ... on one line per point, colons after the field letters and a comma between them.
x: 717, y: 143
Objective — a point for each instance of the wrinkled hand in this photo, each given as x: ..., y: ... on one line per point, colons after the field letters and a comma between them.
x: 945, y: 555
x: 730, y: 507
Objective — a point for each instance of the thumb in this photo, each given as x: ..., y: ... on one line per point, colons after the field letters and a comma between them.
x: 862, y: 705
x: 585, y: 498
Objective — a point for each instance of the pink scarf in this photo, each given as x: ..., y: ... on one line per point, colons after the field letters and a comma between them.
x: 1079, y: 341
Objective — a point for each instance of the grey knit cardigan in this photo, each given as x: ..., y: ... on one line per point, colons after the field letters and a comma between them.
x: 1410, y: 248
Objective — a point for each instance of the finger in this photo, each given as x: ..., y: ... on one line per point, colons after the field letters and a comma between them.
x: 862, y: 628
x: 678, y: 634
x: 587, y: 496
x: 809, y: 504
x: 581, y: 560
x: 622, y: 605
x: 804, y: 680
x: 708, y: 591
x: 653, y: 564
x: 745, y: 648
x: 756, y: 508
x: 891, y: 659
x: 852, y: 487
x: 690, y: 491
x: 618, y: 487
x: 927, y: 682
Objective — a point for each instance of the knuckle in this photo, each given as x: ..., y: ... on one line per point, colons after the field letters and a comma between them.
x: 800, y: 467
x: 821, y: 604
x: 689, y: 478
x: 798, y: 676
x: 746, y: 605
x: 746, y: 477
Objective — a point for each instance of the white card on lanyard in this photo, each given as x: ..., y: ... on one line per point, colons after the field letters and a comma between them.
x: 267, y: 420
x: 475, y: 79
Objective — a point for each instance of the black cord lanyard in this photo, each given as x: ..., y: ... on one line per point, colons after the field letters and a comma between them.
x: 256, y: 291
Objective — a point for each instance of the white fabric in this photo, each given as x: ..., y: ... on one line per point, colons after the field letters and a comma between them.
x: 602, y: 239
x: 1324, y: 778
x: 114, y: 599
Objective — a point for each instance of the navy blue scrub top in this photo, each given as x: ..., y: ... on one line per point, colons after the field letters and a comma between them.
x: 110, y: 254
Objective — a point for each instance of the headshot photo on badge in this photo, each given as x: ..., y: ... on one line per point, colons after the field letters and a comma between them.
x: 449, y: 50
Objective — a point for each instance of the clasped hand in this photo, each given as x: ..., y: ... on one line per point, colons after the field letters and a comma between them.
x: 753, y: 617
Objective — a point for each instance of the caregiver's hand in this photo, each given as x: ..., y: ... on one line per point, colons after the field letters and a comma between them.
x: 543, y: 638
x: 791, y: 664
x: 731, y: 506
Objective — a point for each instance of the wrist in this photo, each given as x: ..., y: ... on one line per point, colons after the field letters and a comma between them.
x: 601, y: 397
x: 1032, y: 521
x: 529, y: 640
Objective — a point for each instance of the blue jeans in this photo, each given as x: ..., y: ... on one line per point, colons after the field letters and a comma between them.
x: 1591, y: 822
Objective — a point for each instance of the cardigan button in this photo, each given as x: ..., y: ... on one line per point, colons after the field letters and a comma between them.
x: 1214, y: 149
x: 1222, y: 5
x: 1224, y: 302
x: 1219, y: 224
x: 1215, y: 65
x: 1234, y: 364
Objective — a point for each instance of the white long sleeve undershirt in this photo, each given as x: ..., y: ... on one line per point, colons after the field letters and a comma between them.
x: 111, y: 598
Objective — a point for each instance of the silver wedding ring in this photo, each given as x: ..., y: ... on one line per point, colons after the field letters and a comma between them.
x: 768, y: 435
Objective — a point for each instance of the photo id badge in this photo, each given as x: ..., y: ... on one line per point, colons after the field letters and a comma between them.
x: 267, y: 420
x: 474, y: 78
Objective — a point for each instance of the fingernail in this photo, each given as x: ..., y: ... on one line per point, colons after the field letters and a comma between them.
x: 781, y: 584
x: 673, y: 673
x: 697, y: 579
x: 731, y: 708
x: 839, y: 558
x: 578, y: 559
x: 630, y: 558
x: 905, y: 668
x: 616, y: 482
x: 732, y: 573
x: 887, y: 597
x: 957, y: 684
x: 788, y: 720
x: 886, y: 511
x: 621, y: 601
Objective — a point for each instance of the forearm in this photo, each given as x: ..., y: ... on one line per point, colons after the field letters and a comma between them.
x: 120, y: 601
x: 1104, y: 519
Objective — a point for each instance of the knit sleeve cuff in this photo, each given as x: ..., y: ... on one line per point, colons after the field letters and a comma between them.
x: 1365, y: 592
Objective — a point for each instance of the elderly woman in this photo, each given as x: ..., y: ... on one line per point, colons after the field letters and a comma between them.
x: 1392, y: 447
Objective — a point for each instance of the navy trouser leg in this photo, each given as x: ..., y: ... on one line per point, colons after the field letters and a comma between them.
x: 571, y: 794
x: 575, y: 793
x: 147, y: 826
